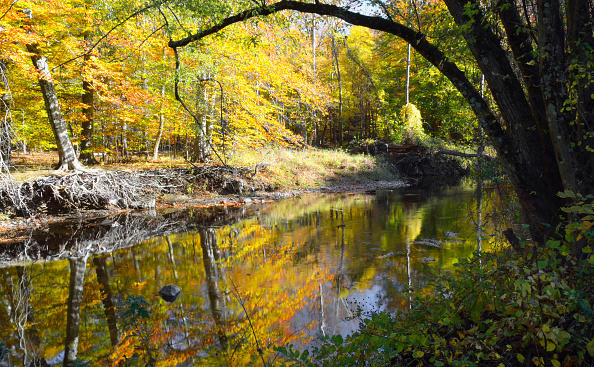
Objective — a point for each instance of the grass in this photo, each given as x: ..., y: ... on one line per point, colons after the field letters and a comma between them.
x: 313, y: 168
x: 285, y: 169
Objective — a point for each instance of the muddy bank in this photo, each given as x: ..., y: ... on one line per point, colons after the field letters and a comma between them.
x: 429, y: 169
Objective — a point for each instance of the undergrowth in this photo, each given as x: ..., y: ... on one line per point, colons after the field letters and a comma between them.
x: 311, y: 168
x: 532, y: 308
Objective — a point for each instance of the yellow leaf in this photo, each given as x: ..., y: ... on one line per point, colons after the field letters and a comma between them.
x: 590, y: 348
x: 418, y: 354
x: 550, y: 346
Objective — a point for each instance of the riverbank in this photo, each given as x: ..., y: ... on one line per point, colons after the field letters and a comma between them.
x: 49, y: 197
x: 37, y: 198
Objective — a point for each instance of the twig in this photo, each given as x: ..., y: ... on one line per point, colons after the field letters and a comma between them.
x: 142, y: 43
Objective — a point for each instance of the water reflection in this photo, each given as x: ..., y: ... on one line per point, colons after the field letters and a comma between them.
x: 287, y: 272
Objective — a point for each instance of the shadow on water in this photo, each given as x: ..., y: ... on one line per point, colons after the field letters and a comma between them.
x: 282, y: 273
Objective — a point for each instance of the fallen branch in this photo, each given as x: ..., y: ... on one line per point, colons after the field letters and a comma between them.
x: 457, y: 154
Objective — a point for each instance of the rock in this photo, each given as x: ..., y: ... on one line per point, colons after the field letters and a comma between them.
x: 451, y: 234
x: 169, y: 293
x: 427, y: 259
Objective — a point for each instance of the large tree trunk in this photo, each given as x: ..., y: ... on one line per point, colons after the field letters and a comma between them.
x: 5, y: 132
x: 408, y: 73
x: 580, y: 43
x: 5, y: 121
x: 66, y: 153
x: 203, y: 129
x: 86, y: 152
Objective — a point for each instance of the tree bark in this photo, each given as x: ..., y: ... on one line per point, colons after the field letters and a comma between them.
x: 86, y: 152
x: 408, y: 73
x: 5, y: 133
x: 580, y: 43
x: 66, y: 153
x: 553, y: 80
x: 161, y: 126
x: 5, y: 122
x: 339, y: 80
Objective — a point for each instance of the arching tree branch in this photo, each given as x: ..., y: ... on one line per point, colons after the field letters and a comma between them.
x: 488, y: 121
x: 416, y: 39
x: 511, y: 143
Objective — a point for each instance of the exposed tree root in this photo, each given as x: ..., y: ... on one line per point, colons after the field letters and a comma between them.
x: 96, y: 189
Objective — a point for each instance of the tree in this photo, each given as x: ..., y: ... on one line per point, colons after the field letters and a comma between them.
x: 541, y: 125
x: 66, y: 153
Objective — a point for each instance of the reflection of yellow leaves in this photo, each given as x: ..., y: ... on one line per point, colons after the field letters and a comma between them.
x: 124, y: 350
x: 139, y: 285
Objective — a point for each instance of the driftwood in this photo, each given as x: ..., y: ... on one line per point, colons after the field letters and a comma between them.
x: 429, y: 242
x: 457, y: 153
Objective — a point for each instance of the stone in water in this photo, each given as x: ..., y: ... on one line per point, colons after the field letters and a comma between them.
x: 170, y: 292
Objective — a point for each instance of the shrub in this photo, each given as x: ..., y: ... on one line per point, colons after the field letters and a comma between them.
x: 411, y: 124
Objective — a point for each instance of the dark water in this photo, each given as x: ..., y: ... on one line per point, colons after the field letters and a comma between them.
x: 279, y: 273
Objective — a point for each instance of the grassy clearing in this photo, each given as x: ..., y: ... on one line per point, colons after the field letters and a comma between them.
x: 313, y: 168
x: 285, y: 169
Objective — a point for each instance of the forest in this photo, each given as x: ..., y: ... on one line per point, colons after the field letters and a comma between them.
x: 124, y: 105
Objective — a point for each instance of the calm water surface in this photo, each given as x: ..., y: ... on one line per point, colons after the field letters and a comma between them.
x: 294, y: 270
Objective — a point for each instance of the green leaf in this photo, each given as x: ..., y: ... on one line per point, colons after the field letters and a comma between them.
x: 304, y: 355
x: 590, y: 348
x: 520, y: 358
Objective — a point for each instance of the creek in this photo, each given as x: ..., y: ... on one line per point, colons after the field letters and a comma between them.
x: 256, y: 276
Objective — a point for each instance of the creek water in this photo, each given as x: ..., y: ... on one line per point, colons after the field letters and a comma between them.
x: 255, y: 277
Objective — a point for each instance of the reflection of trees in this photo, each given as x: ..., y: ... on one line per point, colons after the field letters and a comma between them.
x: 104, y: 235
x: 107, y: 298
x: 21, y: 315
x: 75, y: 295
x: 211, y: 256
x: 479, y: 214
x: 171, y: 256
x: 277, y: 264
